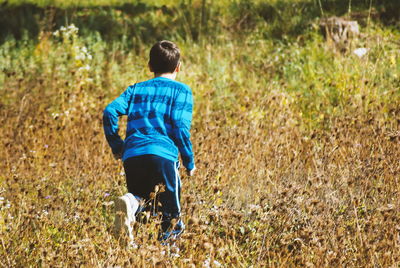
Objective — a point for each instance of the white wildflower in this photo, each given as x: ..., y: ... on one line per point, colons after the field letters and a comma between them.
x: 215, y: 209
x: 7, y: 205
x: 360, y: 51
x: 73, y: 28
x: 80, y: 56
x: 89, y: 80
x: 254, y: 206
x: 84, y: 68
x: 217, y: 263
x: 207, y: 263
x: 55, y: 115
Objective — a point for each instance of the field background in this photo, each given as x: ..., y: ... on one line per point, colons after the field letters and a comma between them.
x: 296, y: 139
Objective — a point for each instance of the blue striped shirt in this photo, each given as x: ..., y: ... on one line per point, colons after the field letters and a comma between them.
x: 159, y: 114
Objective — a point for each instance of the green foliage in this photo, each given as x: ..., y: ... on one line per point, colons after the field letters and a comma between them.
x: 195, y: 20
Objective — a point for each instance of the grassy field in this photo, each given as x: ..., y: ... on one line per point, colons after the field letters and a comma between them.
x: 296, y: 142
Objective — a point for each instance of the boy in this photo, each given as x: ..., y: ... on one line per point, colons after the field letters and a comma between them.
x: 159, y: 114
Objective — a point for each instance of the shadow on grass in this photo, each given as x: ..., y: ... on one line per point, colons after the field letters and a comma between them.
x: 145, y: 23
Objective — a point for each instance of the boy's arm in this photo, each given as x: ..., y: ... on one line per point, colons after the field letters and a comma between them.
x: 181, y: 121
x: 110, y: 122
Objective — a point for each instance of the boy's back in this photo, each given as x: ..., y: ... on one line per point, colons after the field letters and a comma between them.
x: 159, y: 114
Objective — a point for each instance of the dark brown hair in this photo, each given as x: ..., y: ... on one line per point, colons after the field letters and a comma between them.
x: 164, y: 57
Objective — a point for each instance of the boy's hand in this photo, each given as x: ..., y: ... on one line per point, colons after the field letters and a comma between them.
x: 190, y: 172
x: 118, y: 156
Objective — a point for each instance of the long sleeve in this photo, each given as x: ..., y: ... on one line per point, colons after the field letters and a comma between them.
x: 111, y: 115
x: 181, y: 121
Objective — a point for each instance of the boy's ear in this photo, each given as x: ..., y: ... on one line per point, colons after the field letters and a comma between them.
x: 151, y: 69
x: 178, y: 67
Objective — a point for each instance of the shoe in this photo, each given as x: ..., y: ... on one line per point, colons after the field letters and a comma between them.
x: 172, y: 235
x: 168, y: 236
x: 124, y: 217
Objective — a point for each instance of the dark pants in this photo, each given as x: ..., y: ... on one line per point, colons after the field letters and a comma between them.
x: 144, y: 172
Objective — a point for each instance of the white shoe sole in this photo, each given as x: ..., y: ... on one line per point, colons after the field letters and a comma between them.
x: 123, y: 217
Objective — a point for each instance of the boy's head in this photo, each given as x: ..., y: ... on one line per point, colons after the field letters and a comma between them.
x: 164, y: 57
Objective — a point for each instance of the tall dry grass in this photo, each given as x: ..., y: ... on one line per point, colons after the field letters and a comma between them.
x: 297, y: 149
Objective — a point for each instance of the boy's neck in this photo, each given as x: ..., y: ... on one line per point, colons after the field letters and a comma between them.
x: 166, y: 75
